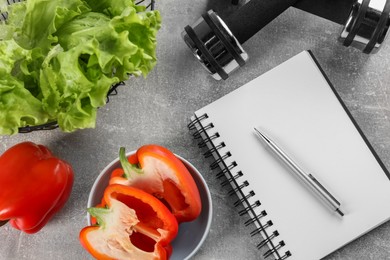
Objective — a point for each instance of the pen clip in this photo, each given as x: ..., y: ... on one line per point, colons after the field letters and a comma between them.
x: 323, y: 189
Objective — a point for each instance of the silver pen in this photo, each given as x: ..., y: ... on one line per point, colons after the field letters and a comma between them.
x: 308, y: 179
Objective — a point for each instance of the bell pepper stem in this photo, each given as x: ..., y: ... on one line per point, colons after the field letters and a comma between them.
x: 128, y: 168
x: 99, y: 214
x: 3, y: 222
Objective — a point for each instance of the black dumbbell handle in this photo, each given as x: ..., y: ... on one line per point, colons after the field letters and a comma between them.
x: 254, y: 15
x: 333, y: 10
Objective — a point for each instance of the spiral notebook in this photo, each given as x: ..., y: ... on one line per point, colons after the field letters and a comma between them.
x: 297, y: 105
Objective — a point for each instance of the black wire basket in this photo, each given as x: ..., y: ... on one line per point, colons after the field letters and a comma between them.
x: 149, y: 4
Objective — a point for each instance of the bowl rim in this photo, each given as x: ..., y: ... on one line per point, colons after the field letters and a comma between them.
x: 187, y: 165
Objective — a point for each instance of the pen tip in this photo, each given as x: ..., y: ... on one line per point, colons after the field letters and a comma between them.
x: 257, y: 131
x: 262, y: 136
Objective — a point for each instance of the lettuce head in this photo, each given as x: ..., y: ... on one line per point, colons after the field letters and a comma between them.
x: 59, y: 58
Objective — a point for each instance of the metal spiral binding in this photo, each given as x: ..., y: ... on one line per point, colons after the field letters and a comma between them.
x: 213, y: 150
x: 237, y: 189
x: 240, y: 201
x: 209, y: 138
x: 226, y: 170
x: 273, y: 250
x: 203, y: 143
x: 216, y: 163
x: 149, y: 4
x: 192, y: 125
x: 265, y: 241
x: 229, y: 180
x: 198, y: 134
x: 256, y: 218
x: 249, y: 208
x: 261, y: 229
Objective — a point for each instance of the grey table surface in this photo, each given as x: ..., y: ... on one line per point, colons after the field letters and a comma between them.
x: 157, y: 110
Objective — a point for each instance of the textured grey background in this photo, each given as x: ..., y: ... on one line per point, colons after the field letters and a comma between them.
x: 157, y: 110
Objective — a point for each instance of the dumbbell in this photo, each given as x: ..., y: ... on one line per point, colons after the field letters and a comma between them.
x: 217, y: 42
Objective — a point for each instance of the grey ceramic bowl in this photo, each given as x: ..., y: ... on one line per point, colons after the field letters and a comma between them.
x: 191, y: 234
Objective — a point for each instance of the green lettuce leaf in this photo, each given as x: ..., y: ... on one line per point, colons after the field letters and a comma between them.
x: 63, y: 73
x: 19, y: 95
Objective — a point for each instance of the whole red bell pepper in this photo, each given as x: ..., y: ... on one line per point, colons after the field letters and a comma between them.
x: 34, y: 185
x: 156, y: 170
x: 133, y: 225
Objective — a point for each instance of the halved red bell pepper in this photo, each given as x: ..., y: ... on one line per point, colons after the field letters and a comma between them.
x: 158, y: 171
x: 133, y: 225
x: 34, y: 185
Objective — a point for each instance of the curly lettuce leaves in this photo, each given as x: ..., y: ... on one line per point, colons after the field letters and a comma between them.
x: 63, y: 73
x: 113, y: 8
x: 19, y: 102
x: 41, y: 18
